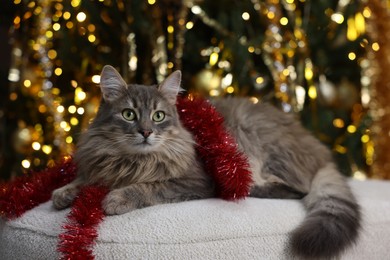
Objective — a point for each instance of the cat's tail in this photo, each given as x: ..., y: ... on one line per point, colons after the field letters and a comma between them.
x: 333, y: 220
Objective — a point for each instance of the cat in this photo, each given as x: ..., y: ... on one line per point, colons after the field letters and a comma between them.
x: 138, y: 148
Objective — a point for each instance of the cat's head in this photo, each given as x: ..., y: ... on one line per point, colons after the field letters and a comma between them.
x: 136, y: 118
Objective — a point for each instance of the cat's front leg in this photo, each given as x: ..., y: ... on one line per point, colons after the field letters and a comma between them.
x: 140, y: 195
x: 120, y: 201
x: 64, y: 196
x: 135, y: 196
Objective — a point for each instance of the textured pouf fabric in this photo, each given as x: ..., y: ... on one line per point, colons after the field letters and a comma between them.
x: 203, y: 229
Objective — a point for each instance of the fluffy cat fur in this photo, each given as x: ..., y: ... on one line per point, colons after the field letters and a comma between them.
x: 137, y: 147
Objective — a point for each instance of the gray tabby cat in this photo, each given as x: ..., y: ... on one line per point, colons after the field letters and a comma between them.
x: 139, y: 149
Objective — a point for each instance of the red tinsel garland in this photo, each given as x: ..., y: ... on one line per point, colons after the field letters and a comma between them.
x: 27, y: 192
x: 80, y: 230
x: 216, y: 147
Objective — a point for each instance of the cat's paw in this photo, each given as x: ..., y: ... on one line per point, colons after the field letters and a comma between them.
x: 116, y: 203
x: 64, y: 196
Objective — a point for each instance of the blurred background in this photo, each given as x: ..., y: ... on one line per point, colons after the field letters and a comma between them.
x: 327, y: 61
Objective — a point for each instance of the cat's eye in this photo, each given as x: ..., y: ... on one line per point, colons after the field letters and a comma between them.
x: 158, y: 116
x: 128, y: 114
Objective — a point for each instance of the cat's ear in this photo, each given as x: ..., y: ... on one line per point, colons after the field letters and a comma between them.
x: 111, y: 83
x: 170, y: 87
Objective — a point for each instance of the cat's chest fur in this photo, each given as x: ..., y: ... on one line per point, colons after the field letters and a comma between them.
x: 145, y: 168
x: 125, y: 170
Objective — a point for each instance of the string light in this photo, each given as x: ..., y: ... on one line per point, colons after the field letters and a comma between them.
x: 213, y: 58
x: 300, y: 93
x: 91, y: 38
x: 230, y: 89
x: 52, y: 54
x: 81, y: 16
x: 96, y: 79
x: 26, y: 164
x: 36, y: 146
x: 27, y: 83
x: 270, y: 15
x: 337, y: 18
x: 259, y: 80
x: 351, y: 56
x: 80, y: 110
x: 366, y: 12
x: 60, y: 109
x: 227, y: 81
x: 17, y: 20
x: 66, y: 15
x: 283, y: 21
x: 75, y: 3
x: 47, y: 149
x: 251, y: 49
x: 189, y: 25
x: 56, y: 27
x: 360, y: 23
x: 69, y: 139
x: 245, y: 16
x: 214, y: 93
x: 170, y: 29
x: 72, y: 109
x: 14, y: 75
x: 170, y: 65
x: 312, y: 92
x: 351, y: 129
x: 340, y: 149
x: 79, y: 96
x: 308, y: 73
x: 196, y: 9
x: 254, y: 100
x: 338, y: 122
x: 58, y: 71
x: 74, y: 83
x: 91, y: 27
x: 69, y: 25
x: 375, y: 46
x: 74, y: 121
x: 365, y: 138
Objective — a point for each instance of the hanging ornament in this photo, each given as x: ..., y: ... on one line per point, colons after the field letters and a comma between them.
x: 343, y: 95
x: 328, y: 91
x: 208, y: 82
x: 348, y: 94
x: 22, y: 138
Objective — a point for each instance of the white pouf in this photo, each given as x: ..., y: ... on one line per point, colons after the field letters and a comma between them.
x: 203, y: 229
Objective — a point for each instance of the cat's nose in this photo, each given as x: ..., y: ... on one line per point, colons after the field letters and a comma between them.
x: 145, y: 133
